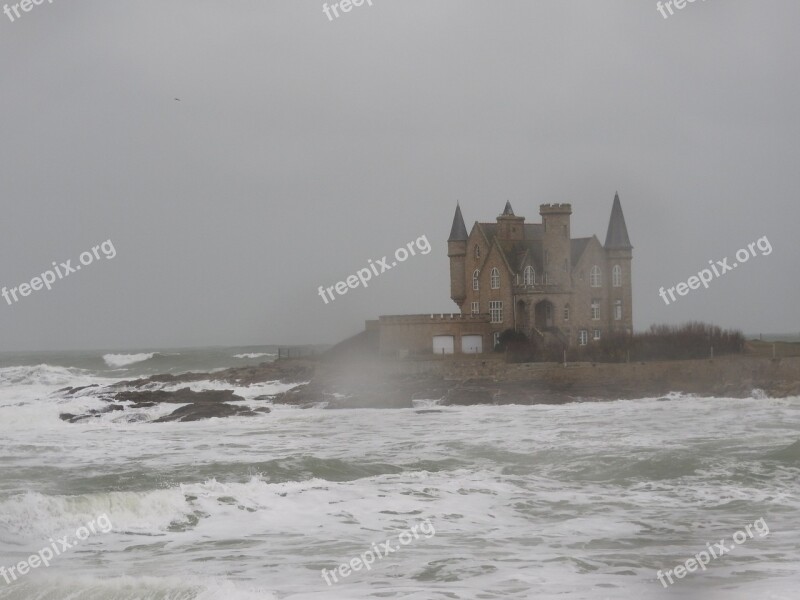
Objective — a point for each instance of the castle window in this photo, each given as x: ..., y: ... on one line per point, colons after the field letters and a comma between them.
x: 496, y: 310
x: 477, y: 251
x: 616, y: 276
x: 583, y: 337
x: 566, y: 312
x: 476, y: 308
x: 596, y: 336
x: 476, y: 285
x: 529, y: 277
x: 618, y: 310
x: 495, y: 278
x: 594, y: 277
x: 595, y: 309
x: 495, y: 339
x: 566, y: 231
x: 547, y: 278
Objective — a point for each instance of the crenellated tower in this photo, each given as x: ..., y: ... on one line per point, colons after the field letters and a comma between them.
x: 556, y: 242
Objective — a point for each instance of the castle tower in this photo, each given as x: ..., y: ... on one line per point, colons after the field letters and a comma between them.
x: 556, y: 245
x: 457, y: 251
x: 509, y: 226
x: 620, y: 254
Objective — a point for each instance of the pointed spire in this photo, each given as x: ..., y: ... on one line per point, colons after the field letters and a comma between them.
x: 458, y: 232
x: 617, y: 235
x: 508, y: 211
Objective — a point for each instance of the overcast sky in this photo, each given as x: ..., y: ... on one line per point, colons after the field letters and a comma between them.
x: 302, y: 147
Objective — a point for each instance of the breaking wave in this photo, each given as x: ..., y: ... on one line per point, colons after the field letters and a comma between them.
x: 123, y: 360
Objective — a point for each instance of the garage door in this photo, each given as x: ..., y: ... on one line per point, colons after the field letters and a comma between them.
x: 471, y: 344
x: 443, y: 344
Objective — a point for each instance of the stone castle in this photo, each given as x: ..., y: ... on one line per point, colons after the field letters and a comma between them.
x: 529, y: 277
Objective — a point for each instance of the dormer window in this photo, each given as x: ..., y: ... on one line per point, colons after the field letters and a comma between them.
x: 529, y: 276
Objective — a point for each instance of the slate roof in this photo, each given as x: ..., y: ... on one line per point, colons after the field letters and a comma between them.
x: 617, y: 234
x: 530, y: 248
x: 458, y: 232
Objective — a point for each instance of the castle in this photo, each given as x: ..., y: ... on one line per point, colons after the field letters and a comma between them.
x: 529, y: 277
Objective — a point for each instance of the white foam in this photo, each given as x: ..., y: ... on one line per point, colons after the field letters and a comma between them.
x: 44, y: 375
x: 122, y: 360
x: 33, y: 515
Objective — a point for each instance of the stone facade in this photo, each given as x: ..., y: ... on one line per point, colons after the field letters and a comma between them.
x: 534, y: 278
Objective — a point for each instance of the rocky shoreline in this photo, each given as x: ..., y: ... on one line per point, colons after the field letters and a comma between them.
x: 195, y: 405
x: 377, y: 383
x: 466, y: 382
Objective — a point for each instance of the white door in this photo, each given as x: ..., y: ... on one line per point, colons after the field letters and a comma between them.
x: 471, y: 344
x: 443, y: 344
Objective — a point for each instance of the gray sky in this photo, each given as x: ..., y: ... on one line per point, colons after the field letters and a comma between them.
x: 300, y: 148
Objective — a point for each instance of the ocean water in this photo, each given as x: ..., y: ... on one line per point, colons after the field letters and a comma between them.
x: 578, y: 501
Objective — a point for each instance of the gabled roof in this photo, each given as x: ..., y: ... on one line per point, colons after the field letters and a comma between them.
x: 458, y: 232
x: 489, y: 230
x: 577, y: 248
x: 530, y: 252
x: 617, y: 234
x: 533, y: 231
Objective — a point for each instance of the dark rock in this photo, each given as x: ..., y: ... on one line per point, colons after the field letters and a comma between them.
x: 208, y: 410
x: 287, y: 371
x: 198, y: 405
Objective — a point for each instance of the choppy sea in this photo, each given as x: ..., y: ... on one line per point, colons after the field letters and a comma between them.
x: 580, y: 501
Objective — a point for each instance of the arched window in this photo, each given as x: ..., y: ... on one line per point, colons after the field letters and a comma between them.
x: 477, y: 251
x: 475, y: 281
x: 495, y: 279
x: 595, y: 309
x: 618, y: 310
x: 616, y: 276
x: 529, y: 277
x: 594, y: 277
